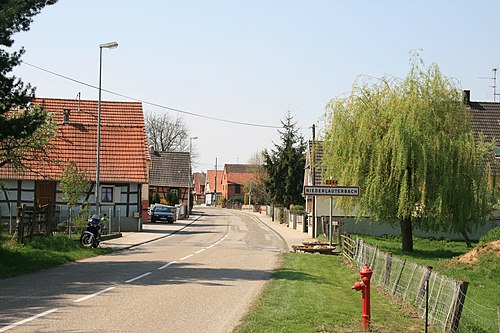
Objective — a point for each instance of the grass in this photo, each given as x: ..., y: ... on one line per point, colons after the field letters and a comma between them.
x: 483, y: 293
x: 41, y: 253
x: 312, y: 293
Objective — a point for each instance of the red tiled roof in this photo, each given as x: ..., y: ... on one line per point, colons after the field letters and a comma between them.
x: 124, y: 152
x: 211, y: 180
x: 239, y: 173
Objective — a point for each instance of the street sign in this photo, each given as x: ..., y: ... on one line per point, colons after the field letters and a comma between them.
x: 341, y: 191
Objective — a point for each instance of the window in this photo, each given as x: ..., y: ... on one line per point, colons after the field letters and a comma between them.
x: 107, y: 194
x: 237, y: 188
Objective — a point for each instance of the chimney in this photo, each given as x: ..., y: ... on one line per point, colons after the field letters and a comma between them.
x: 466, y: 96
x: 66, y: 117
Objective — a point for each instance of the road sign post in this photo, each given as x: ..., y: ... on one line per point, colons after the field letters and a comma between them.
x: 331, y: 191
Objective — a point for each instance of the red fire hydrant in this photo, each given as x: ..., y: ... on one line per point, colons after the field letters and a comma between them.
x: 364, y: 286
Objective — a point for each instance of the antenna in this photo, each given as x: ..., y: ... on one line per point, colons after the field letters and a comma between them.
x: 494, y: 86
x: 78, y: 96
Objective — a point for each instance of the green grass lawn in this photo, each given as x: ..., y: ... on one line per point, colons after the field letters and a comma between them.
x: 39, y: 254
x: 483, y: 294
x: 312, y: 293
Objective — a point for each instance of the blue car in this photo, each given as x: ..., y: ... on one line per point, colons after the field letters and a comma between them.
x: 162, y: 213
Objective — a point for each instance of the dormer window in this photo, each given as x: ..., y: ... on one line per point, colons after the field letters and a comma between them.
x: 66, y: 117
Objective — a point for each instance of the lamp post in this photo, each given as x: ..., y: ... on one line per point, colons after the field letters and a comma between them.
x: 190, y: 176
x: 110, y: 45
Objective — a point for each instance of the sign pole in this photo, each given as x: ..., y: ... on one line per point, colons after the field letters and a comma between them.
x: 330, y: 227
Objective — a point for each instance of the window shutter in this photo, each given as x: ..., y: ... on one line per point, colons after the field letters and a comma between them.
x: 117, y: 194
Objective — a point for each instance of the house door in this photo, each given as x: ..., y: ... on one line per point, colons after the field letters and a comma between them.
x: 45, y: 192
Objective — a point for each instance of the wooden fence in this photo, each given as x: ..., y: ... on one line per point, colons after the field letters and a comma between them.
x: 33, y: 221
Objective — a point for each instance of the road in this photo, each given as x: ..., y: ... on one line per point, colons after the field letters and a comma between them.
x: 200, y: 279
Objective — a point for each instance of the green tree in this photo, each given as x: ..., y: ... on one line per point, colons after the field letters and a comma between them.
x: 29, y: 130
x: 74, y: 184
x: 172, y: 198
x: 409, y: 145
x: 284, y: 166
x: 256, y: 186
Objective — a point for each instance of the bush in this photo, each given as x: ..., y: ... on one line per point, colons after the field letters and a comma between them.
x: 172, y: 199
x: 297, y: 209
x: 490, y: 236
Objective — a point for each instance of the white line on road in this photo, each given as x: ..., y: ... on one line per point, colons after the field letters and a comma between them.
x: 24, y: 321
x: 188, y: 256
x: 138, y: 277
x: 167, y: 265
x: 216, y: 243
x: 90, y: 296
x: 200, y: 251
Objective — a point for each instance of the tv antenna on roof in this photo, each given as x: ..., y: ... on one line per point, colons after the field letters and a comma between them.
x: 494, y: 86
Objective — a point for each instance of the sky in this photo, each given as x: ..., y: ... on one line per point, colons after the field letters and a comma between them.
x: 251, y: 61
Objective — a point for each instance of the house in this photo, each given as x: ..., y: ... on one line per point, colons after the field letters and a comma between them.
x: 213, y: 187
x: 199, y: 183
x: 124, y: 161
x: 234, y: 177
x: 169, y: 173
x: 485, y: 119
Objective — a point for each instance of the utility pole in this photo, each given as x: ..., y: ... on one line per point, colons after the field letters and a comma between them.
x: 215, y: 188
x: 313, y: 166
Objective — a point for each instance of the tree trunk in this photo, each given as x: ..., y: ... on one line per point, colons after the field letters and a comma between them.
x: 406, y: 234
x: 466, y: 238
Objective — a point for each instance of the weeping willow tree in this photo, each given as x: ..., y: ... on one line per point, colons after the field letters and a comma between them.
x: 409, y: 145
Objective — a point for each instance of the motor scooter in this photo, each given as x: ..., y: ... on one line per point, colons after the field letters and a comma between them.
x: 92, y: 233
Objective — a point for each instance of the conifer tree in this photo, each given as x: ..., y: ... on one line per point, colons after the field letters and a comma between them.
x: 29, y: 131
x: 285, y: 166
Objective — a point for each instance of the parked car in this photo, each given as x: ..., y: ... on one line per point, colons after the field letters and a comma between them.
x: 159, y: 212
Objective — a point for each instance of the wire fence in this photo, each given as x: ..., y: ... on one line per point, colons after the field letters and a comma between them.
x: 435, y: 296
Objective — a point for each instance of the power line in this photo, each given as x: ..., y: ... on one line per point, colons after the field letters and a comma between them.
x: 154, y: 104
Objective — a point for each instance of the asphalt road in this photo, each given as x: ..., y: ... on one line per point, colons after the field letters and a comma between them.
x: 200, y: 279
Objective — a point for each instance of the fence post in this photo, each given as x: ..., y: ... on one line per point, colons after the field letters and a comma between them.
x: 458, y: 305
x: 10, y: 218
x: 499, y: 319
x: 372, y: 263
x: 425, y: 277
x: 110, y: 220
x: 387, y: 269
x: 396, y: 281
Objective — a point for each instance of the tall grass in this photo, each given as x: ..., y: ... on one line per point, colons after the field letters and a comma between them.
x: 40, y: 253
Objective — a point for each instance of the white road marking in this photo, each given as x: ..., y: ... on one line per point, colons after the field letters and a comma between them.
x: 24, y: 321
x: 138, y: 277
x: 167, y: 265
x: 200, y: 251
x: 90, y: 296
x: 216, y: 243
x: 188, y: 256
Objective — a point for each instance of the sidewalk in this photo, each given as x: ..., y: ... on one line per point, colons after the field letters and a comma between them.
x: 290, y: 235
x: 154, y: 231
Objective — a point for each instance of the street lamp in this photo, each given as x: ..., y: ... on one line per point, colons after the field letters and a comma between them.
x: 190, y: 176
x: 110, y: 45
